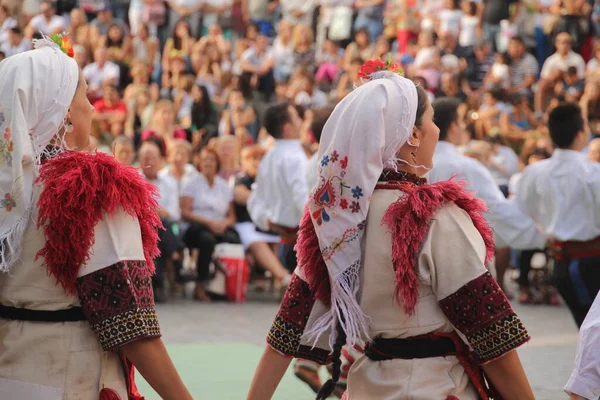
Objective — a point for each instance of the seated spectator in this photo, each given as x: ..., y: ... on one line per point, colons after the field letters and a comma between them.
x: 304, y: 51
x: 555, y: 68
x: 15, y: 44
x: 118, y: 45
x: 169, y: 244
x: 590, y: 101
x: 47, y: 22
x: 370, y: 17
x: 204, y: 118
x: 228, y: 149
x: 258, y: 63
x: 329, y: 60
x: 427, y: 62
x: 100, y: 73
x: 307, y: 95
x: 488, y: 115
x: 450, y: 86
x: 502, y: 163
x: 283, y: 52
x: 349, y: 79
x: 7, y: 22
x: 179, y: 167
x: 239, y: 119
x: 123, y: 150
x: 207, y: 205
x: 183, y: 98
x: 163, y: 124
x: 499, y: 73
x: 102, y: 23
x: 110, y: 112
x: 478, y: 68
x: 139, y: 114
x: 570, y: 86
x: 594, y: 150
x: 361, y: 48
x: 591, y: 69
x: 524, y: 68
x: 146, y: 47
x: 255, y: 242
x: 519, y: 121
x: 79, y: 29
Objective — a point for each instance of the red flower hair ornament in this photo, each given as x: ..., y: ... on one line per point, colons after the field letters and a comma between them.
x: 378, y: 65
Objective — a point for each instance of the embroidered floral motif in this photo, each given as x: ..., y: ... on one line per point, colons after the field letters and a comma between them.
x: 6, y: 147
x: 332, y: 191
x: 8, y: 203
x: 339, y: 243
x: 481, y: 312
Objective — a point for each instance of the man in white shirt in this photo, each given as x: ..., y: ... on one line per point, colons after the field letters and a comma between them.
x: 511, y: 226
x: 47, y: 22
x: 556, y: 66
x: 562, y: 194
x: 258, y: 61
x: 280, y: 191
x: 584, y: 383
x: 169, y: 244
x: 101, y: 72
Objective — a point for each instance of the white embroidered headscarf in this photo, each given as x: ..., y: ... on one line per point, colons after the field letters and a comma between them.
x: 361, y: 138
x: 36, y: 90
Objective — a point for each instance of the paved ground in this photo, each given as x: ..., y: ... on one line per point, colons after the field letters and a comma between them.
x: 217, y: 346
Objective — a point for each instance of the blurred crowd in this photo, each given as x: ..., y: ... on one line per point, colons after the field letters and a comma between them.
x: 180, y: 87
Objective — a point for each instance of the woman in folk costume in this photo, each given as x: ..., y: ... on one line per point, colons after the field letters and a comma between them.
x: 78, y: 233
x: 387, y: 258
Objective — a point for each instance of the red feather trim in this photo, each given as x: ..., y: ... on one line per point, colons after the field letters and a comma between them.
x: 77, y: 189
x: 310, y: 259
x: 408, y: 222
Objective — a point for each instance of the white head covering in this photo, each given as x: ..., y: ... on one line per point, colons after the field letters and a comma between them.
x: 361, y: 138
x: 36, y: 90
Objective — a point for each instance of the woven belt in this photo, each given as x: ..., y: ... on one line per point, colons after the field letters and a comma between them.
x: 572, y: 249
x: 426, y: 346
x: 24, y: 314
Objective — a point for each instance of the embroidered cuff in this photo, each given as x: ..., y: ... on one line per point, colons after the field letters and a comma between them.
x: 118, y: 303
x: 482, y: 313
x: 290, y: 322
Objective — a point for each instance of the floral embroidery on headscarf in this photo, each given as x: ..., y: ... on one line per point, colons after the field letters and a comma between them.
x: 8, y: 202
x: 6, y: 146
x: 335, y: 192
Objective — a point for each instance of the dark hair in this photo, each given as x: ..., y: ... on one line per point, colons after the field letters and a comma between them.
x: 497, y: 93
x: 539, y: 152
x: 16, y: 30
x: 422, y: 103
x: 2, y: 55
x: 357, y: 60
x: 320, y: 117
x: 564, y: 123
x: 572, y: 70
x: 446, y: 113
x: 472, y: 8
x: 362, y: 30
x: 177, y: 42
x: 202, y: 110
x: 159, y: 143
x: 336, y: 368
x: 214, y: 153
x: 275, y: 117
x: 515, y: 99
x: 518, y: 39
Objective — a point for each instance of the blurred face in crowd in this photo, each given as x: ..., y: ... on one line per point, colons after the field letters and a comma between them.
x: 115, y: 33
x: 179, y: 156
x: 594, y: 150
x: 262, y: 42
x: 208, y: 164
x: 47, y: 10
x: 80, y: 115
x: 150, y: 160
x: 236, y: 100
x: 140, y: 73
x: 105, y: 16
x: 143, y: 32
x: 123, y: 153
x: 166, y: 115
x: 516, y: 49
x: 14, y: 38
x: 285, y: 30
x: 110, y: 94
x: 77, y: 17
x: 214, y: 30
x: 250, y: 162
x: 362, y: 39
x: 182, y: 29
x: 563, y: 43
x: 101, y: 56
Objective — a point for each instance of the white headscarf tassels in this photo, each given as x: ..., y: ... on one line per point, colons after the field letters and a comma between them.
x: 36, y: 90
x: 359, y: 140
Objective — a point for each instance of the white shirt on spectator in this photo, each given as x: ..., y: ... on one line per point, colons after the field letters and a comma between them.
x: 10, y: 50
x: 208, y: 202
x: 96, y: 76
x: 511, y: 226
x: 507, y: 159
x: 213, y: 18
x: 468, y: 30
x: 168, y: 195
x: 585, y: 378
x: 317, y: 100
x: 562, y: 194
x: 450, y: 21
x: 306, y: 6
x: 280, y: 190
x: 252, y: 57
x: 556, y: 63
x: 592, y: 65
x: 6, y: 26
x: 188, y: 171
x: 56, y: 23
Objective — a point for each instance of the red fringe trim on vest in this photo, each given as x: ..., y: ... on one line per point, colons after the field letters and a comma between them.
x: 408, y: 220
x: 77, y: 189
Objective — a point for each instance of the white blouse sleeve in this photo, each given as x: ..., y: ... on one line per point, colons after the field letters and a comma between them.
x: 585, y: 379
